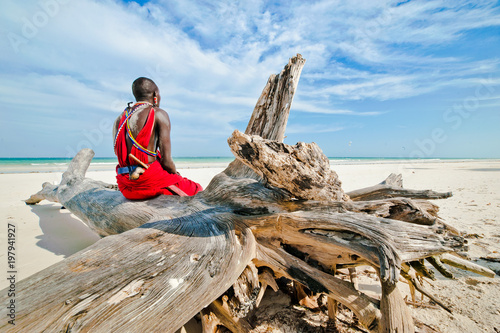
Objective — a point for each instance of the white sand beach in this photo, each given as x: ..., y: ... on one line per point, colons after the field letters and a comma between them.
x: 47, y: 234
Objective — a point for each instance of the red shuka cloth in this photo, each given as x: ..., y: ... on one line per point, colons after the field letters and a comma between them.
x: 155, y: 179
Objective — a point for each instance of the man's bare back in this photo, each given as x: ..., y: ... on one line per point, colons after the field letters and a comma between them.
x: 145, y: 90
x: 142, y: 145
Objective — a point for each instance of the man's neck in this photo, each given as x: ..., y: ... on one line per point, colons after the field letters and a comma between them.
x: 144, y: 102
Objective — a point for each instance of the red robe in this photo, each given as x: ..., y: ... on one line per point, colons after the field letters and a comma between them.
x: 155, y: 180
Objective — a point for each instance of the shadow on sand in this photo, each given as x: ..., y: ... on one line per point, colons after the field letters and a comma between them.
x: 63, y: 233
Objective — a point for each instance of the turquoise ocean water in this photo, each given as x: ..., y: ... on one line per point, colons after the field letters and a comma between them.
x: 29, y: 165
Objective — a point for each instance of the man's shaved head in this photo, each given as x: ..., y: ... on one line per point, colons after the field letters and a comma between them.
x: 144, y: 89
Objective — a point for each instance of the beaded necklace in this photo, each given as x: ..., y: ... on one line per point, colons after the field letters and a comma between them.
x: 128, y: 113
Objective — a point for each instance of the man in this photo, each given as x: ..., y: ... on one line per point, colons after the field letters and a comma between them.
x: 142, y: 144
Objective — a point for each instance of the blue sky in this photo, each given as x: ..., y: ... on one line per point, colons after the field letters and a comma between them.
x: 382, y: 78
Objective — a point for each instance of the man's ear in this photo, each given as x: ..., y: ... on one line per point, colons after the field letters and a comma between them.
x: 156, y: 100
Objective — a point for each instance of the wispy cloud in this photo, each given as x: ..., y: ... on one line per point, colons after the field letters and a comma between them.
x: 314, y: 108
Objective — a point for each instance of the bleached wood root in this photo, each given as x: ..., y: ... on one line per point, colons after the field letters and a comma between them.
x: 438, y: 265
x: 395, y: 314
x: 209, y: 321
x: 244, y: 292
x: 48, y: 192
x: 266, y: 278
x: 421, y: 269
x: 332, y: 306
x: 353, y: 275
x: 284, y: 264
x: 392, y: 188
x: 465, y: 265
x: 408, y: 274
x: 218, y: 314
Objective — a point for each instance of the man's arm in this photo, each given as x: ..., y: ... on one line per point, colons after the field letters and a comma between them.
x: 163, y: 131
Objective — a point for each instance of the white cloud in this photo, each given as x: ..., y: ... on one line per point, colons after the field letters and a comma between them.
x: 316, y: 108
x: 360, y: 85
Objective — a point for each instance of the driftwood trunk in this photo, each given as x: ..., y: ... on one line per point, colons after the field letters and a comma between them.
x: 276, y: 211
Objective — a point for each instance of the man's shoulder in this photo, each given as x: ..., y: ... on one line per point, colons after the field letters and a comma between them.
x: 160, y: 114
x: 117, y: 120
x: 158, y: 109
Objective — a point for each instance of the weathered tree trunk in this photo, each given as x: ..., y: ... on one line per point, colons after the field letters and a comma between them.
x: 276, y: 211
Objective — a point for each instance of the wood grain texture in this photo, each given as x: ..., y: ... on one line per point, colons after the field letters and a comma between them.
x: 303, y: 170
x: 136, y: 280
x: 271, y: 112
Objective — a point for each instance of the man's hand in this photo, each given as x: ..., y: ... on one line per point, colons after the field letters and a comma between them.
x: 137, y: 173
